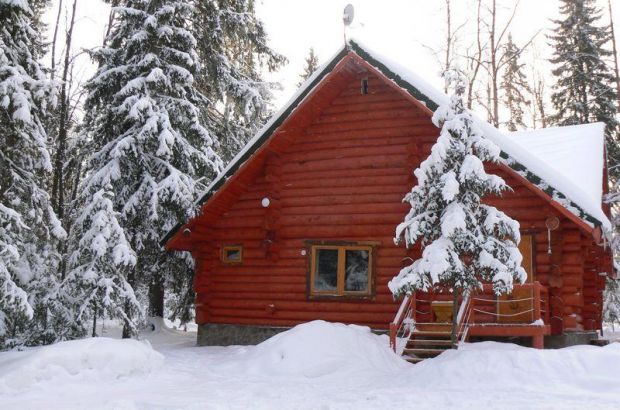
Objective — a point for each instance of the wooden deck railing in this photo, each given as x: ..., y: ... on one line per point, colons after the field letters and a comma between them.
x: 404, y: 321
x: 478, y: 307
x: 536, y: 301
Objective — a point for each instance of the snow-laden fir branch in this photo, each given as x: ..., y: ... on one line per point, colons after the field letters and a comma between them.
x: 464, y: 242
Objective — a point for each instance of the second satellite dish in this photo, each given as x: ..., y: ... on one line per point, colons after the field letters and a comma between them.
x: 348, y: 15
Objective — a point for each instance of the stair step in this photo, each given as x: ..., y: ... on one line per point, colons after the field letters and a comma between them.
x: 417, y: 332
x: 433, y: 342
x: 423, y: 351
x: 443, y: 327
x: 412, y: 359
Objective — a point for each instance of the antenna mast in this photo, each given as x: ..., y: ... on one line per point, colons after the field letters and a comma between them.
x: 347, y: 19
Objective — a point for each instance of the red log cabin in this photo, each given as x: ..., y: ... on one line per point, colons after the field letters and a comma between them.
x: 300, y: 225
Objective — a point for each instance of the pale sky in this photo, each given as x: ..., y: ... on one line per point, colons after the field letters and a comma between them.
x: 401, y: 29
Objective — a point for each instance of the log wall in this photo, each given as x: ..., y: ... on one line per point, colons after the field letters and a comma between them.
x: 343, y: 178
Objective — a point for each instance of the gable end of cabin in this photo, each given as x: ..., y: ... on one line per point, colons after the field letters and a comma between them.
x: 303, y: 228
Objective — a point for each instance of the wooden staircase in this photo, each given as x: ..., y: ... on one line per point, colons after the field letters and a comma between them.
x: 428, y: 340
x: 415, y: 336
x: 417, y: 341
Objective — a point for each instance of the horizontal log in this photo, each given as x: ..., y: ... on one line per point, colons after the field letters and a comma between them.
x: 350, y: 306
x: 394, y: 192
x: 375, y: 115
x: 423, y: 134
x: 365, y: 106
x: 346, y: 100
x: 370, y: 161
x: 347, y: 317
x: 312, y: 145
x: 261, y: 287
x: 337, y: 232
x: 379, y: 299
x: 345, y: 201
x: 290, y: 178
x: 342, y: 153
x: 573, y: 300
x: 400, y: 179
x: 345, y: 220
x: 367, y: 125
x: 572, y: 258
x: 282, y: 322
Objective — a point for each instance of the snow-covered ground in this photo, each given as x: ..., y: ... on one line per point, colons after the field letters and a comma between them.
x: 313, y: 366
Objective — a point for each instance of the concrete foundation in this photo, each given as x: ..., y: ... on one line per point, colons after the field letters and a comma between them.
x: 569, y: 339
x: 211, y: 334
x: 225, y: 335
x: 551, y: 341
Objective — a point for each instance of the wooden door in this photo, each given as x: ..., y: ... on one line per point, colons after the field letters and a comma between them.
x: 510, y: 306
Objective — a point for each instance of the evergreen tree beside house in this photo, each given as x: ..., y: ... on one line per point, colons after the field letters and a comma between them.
x: 584, y: 91
x: 150, y: 145
x: 464, y: 241
x: 312, y: 63
x: 29, y: 228
x: 515, y: 87
x: 100, y: 260
x: 232, y: 49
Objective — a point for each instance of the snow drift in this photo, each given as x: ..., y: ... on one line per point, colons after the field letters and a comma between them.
x: 315, y: 349
x: 94, y: 359
x: 502, y: 365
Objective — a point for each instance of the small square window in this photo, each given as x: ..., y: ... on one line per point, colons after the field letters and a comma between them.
x: 232, y: 254
x: 340, y: 270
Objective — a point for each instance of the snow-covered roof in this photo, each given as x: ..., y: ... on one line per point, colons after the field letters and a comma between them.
x: 545, y: 157
x: 570, y: 159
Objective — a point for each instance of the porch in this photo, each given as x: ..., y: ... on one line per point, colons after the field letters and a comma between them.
x: 422, y: 326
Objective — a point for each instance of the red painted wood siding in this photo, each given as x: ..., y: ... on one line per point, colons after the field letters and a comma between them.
x: 343, y: 178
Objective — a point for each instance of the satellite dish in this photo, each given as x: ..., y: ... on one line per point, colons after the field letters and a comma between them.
x: 348, y: 15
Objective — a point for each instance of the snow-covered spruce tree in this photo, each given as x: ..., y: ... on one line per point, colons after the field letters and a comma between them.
x: 464, y: 242
x: 29, y: 229
x: 584, y: 91
x: 515, y: 86
x: 233, y: 54
x: 611, y: 302
x: 100, y: 259
x: 312, y: 63
x: 146, y: 135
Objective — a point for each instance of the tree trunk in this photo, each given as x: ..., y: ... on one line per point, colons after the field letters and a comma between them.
x: 477, y: 61
x: 455, y: 311
x: 54, y: 37
x: 447, y: 63
x: 127, y: 329
x: 94, y: 321
x: 494, y: 70
x: 127, y: 333
x: 615, y: 52
x: 156, y: 298
x: 58, y: 180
